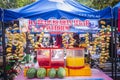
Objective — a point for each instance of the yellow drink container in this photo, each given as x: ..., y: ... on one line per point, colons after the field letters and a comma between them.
x: 75, y: 57
x: 75, y: 61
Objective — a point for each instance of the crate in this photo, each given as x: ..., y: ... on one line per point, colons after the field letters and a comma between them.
x: 86, y: 71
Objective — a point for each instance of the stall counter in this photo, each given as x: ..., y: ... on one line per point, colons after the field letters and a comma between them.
x: 96, y: 75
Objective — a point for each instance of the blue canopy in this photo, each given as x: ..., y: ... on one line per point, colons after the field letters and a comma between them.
x: 8, y: 15
x: 115, y: 10
x: 45, y: 9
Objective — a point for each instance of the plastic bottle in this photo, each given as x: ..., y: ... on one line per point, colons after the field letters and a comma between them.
x: 25, y: 70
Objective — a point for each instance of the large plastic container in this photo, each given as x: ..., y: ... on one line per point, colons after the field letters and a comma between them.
x: 43, y: 57
x: 75, y: 58
x: 57, y: 58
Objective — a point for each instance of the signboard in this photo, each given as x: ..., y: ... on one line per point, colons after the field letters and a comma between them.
x: 57, y: 25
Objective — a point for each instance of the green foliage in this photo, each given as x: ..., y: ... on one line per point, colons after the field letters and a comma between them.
x: 86, y: 2
x: 98, y: 4
x: 14, y: 3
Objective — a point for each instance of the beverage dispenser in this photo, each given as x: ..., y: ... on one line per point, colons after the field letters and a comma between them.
x: 75, y: 58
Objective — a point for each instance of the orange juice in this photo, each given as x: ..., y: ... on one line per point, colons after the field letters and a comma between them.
x: 75, y: 61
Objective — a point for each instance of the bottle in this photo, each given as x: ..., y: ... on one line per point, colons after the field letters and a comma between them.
x: 25, y: 70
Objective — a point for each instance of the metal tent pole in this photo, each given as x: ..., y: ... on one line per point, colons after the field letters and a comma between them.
x: 115, y: 49
x: 3, y: 46
x: 115, y: 54
x: 112, y: 58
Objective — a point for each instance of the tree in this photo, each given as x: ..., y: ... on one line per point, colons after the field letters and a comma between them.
x: 86, y: 2
x: 98, y: 4
x: 14, y: 3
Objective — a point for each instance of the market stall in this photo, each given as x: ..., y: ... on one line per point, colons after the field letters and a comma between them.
x: 57, y: 35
